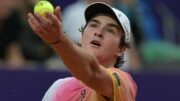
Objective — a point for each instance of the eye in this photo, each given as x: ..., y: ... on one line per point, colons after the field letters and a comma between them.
x: 111, y: 31
x: 93, y: 25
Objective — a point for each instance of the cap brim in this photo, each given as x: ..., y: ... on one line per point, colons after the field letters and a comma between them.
x: 99, y: 7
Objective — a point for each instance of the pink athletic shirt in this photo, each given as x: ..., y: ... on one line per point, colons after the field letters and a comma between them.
x: 72, y: 89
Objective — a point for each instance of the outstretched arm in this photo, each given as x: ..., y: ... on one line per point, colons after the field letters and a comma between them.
x: 82, y: 64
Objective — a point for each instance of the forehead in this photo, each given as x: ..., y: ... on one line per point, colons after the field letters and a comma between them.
x: 114, y: 20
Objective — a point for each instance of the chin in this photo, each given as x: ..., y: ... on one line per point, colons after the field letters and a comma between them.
x: 97, y: 54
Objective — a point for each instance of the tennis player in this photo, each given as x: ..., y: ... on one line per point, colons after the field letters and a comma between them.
x: 94, y: 64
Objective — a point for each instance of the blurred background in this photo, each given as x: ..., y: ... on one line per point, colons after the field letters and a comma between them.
x: 29, y: 66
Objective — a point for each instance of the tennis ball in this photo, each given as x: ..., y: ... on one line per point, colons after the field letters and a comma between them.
x: 42, y: 7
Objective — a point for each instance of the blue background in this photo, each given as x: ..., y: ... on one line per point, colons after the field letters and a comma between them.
x: 31, y: 85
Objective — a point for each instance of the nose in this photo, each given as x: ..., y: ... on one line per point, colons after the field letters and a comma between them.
x: 99, y: 33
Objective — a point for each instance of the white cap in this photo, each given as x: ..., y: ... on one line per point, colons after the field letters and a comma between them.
x: 121, y: 18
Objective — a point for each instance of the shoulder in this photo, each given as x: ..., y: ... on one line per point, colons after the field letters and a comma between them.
x: 124, y: 76
x: 54, y: 87
x: 61, y: 81
x: 119, y: 72
x: 123, y: 81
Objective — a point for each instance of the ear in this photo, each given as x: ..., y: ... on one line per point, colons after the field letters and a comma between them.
x: 121, y: 51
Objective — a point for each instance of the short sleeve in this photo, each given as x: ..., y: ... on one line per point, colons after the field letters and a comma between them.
x: 52, y: 90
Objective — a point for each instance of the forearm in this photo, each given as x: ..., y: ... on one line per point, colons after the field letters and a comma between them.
x: 81, y: 63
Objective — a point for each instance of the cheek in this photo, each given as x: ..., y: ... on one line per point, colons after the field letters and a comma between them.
x: 112, y: 43
x: 85, y: 38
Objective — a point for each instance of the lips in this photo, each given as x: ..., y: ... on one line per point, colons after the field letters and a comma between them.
x: 96, y: 43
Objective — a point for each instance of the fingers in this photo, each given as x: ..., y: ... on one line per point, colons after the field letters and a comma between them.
x: 34, y: 23
x: 44, y: 22
x: 48, y: 28
x: 58, y: 13
x: 54, y: 19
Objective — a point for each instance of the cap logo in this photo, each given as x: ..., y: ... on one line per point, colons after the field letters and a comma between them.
x: 119, y: 15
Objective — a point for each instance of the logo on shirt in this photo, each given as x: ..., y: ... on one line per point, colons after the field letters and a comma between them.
x: 83, y: 93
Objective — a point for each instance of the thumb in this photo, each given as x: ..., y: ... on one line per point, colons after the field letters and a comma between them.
x: 58, y: 13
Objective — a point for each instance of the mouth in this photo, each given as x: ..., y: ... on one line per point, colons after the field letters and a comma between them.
x: 95, y: 43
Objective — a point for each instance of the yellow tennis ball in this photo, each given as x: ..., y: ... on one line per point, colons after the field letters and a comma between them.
x: 42, y: 7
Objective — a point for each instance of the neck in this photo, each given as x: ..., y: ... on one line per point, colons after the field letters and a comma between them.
x: 107, y: 63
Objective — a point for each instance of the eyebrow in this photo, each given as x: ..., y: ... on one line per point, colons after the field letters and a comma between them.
x: 94, y: 20
x: 110, y: 24
x: 114, y: 25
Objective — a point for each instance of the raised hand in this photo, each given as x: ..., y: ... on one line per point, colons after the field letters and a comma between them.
x: 48, y: 28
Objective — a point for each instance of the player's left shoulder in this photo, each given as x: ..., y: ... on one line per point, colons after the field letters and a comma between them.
x: 121, y: 76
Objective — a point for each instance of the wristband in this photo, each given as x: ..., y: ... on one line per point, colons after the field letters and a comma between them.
x: 55, y: 42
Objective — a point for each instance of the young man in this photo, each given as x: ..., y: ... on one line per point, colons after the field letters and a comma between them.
x: 93, y: 64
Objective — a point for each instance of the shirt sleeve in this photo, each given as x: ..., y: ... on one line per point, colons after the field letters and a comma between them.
x: 52, y: 90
